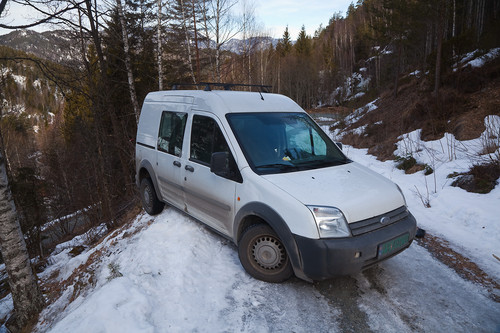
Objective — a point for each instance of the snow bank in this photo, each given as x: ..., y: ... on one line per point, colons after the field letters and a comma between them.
x: 471, y: 58
x: 354, y: 87
x: 360, y: 112
x: 176, y: 276
x: 469, y: 221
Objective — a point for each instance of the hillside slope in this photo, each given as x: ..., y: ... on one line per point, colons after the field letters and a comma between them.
x: 56, y: 46
x: 468, y: 95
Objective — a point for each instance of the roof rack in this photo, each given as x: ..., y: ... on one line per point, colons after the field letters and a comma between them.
x: 226, y: 86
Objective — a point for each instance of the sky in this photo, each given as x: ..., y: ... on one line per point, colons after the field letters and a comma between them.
x: 273, y: 15
x: 277, y: 14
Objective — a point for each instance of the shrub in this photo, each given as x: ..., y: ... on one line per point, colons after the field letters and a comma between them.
x: 405, y: 163
x: 480, y: 178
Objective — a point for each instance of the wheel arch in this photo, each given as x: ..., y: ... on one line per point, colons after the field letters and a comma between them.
x: 256, y: 212
x: 146, y: 170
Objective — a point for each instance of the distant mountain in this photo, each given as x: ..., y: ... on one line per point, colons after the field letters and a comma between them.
x: 53, y: 45
x: 237, y: 45
x: 58, y: 46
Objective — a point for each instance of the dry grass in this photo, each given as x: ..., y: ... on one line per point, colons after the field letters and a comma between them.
x: 456, y: 110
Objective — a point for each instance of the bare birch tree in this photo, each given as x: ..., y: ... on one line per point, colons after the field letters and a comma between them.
x: 159, y: 46
x: 128, y: 62
x: 188, y: 40
x: 26, y: 295
x: 224, y: 27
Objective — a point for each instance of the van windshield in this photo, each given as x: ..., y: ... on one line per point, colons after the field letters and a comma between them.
x: 278, y: 142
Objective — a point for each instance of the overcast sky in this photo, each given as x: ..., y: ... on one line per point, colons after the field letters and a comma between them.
x: 277, y: 14
x: 273, y: 15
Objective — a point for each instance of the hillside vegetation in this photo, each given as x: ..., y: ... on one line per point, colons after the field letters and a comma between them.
x: 467, y: 97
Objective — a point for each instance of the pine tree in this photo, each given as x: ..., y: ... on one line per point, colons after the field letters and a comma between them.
x: 284, y: 45
x: 303, y: 45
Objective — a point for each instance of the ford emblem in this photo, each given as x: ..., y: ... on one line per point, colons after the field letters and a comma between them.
x: 385, y: 220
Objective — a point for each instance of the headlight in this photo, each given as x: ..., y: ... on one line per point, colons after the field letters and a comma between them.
x: 330, y: 221
x: 401, y: 191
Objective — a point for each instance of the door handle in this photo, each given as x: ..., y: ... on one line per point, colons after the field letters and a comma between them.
x: 177, y: 164
x: 189, y: 168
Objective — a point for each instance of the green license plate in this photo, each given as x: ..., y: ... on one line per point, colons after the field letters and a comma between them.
x: 393, y: 245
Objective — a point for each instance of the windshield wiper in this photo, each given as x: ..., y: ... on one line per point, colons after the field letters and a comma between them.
x: 322, y: 163
x: 281, y: 166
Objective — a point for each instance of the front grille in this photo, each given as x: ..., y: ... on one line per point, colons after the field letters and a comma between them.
x: 373, y: 223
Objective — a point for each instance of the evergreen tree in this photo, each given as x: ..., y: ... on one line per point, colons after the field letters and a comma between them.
x: 284, y: 45
x: 303, y: 45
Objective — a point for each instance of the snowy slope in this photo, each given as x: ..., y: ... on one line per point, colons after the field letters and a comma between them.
x: 175, y: 276
x: 470, y: 221
x: 170, y: 274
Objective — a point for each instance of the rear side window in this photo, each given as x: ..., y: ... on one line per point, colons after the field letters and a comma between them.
x: 171, y: 134
x: 206, y: 138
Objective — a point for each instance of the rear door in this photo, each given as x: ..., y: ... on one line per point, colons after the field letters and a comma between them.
x: 209, y: 197
x: 169, y: 145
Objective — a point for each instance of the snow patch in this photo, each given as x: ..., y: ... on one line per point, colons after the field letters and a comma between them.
x: 361, y: 112
x: 471, y: 58
x: 19, y: 79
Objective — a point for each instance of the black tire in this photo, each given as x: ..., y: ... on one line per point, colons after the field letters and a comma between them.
x: 263, y: 255
x: 149, y: 199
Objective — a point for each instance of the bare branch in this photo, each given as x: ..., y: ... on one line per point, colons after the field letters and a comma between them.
x: 2, y: 5
x: 47, y: 19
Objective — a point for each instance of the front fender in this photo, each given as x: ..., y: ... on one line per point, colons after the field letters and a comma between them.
x: 276, y: 222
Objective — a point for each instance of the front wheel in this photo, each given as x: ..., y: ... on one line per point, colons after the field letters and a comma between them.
x: 263, y: 255
x: 150, y: 201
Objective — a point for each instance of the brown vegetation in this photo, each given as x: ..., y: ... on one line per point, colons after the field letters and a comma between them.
x: 454, y: 111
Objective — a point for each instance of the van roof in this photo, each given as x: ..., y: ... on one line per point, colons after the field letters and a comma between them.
x: 221, y: 102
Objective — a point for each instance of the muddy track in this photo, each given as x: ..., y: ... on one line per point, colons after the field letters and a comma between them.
x: 343, y: 293
x: 440, y: 249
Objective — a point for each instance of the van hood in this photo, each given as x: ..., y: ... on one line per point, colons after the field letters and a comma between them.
x: 357, y: 191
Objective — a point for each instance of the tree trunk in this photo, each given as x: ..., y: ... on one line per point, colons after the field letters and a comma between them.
x: 26, y: 296
x: 398, y: 69
x: 128, y: 62
x: 188, y: 41
x: 160, y: 67
x: 196, y: 45
x: 439, y: 51
x: 2, y: 5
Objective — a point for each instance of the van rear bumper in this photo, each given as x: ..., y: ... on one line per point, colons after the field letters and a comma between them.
x: 326, y: 258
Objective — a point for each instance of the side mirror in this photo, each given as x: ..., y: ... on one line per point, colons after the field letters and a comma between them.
x: 339, y: 144
x: 219, y: 163
x: 222, y: 164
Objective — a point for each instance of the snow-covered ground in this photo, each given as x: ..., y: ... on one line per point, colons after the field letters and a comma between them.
x: 170, y: 274
x: 470, y: 221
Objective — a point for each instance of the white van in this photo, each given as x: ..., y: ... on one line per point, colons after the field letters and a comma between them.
x: 257, y: 169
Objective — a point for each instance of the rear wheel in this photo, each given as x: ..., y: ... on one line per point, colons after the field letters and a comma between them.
x: 263, y: 255
x: 150, y: 201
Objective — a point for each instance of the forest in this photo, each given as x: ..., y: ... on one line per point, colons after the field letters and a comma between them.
x: 68, y: 128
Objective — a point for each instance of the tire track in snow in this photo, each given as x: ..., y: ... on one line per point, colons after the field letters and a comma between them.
x: 343, y: 293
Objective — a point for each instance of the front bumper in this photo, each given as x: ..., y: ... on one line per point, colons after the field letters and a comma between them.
x: 321, y: 259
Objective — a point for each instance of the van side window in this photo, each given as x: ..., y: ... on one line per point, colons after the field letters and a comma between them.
x: 171, y: 132
x: 206, y: 138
